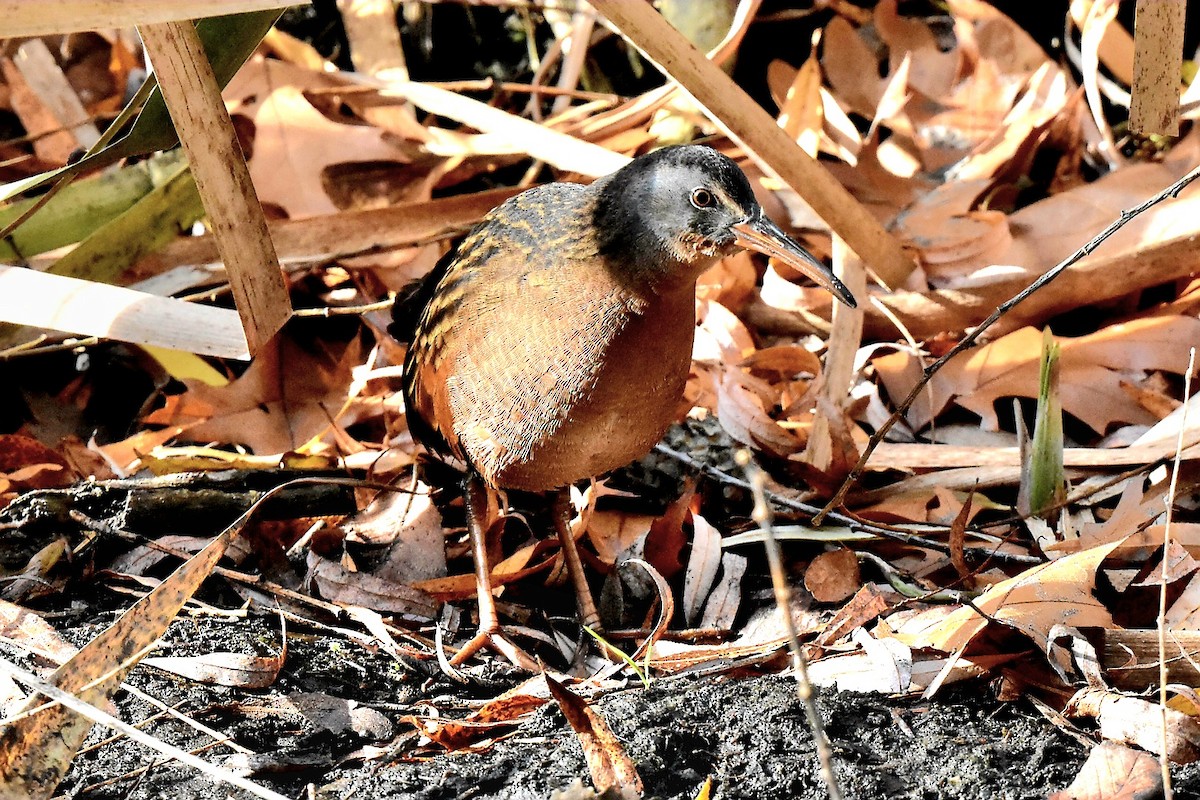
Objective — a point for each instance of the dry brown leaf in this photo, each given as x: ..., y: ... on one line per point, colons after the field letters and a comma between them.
x: 881, y: 665
x: 742, y: 403
x: 495, y: 715
x: 141, y: 559
x: 952, y: 234
x: 238, y: 670
x: 723, y: 602
x: 958, y: 529
x: 720, y: 336
x: 867, y: 604
x: 934, y: 70
x: 801, y: 114
x: 324, y: 712
x: 294, y: 143
x: 410, y: 527
x: 1092, y: 368
x: 31, y: 632
x: 1114, y: 772
x: 1034, y: 602
x: 610, y: 766
x: 833, y: 576
x: 1132, y: 720
x: 1025, y: 126
x: 510, y: 570
x: 51, y: 143
x: 340, y: 585
x: 666, y: 539
x: 729, y: 282
x: 28, y: 464
x: 843, y: 57
x: 288, y: 395
x: 614, y: 532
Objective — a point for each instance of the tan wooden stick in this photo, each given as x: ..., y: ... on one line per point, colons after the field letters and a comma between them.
x: 37, y: 17
x: 1157, y: 66
x: 222, y: 178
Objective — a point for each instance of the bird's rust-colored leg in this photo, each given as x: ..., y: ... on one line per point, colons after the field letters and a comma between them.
x: 583, y: 593
x: 490, y: 634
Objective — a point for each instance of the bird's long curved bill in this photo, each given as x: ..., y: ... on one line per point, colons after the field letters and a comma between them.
x: 764, y: 236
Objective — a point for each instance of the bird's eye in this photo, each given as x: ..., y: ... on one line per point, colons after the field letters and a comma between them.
x: 703, y: 198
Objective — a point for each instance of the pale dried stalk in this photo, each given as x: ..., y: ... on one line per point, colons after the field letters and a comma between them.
x: 1157, y: 66
x: 222, y: 178
x: 1163, y: 761
x: 37, y: 17
x: 86, y: 308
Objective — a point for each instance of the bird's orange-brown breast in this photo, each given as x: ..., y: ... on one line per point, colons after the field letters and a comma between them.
x: 533, y: 360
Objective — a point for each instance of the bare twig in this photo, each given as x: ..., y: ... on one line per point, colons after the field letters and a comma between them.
x: 783, y: 599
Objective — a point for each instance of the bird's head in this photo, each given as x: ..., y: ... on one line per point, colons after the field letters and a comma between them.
x: 669, y: 215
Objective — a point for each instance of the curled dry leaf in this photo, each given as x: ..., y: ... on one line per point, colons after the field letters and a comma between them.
x: 409, y: 525
x: 30, y: 632
x: 953, y: 235
x: 293, y: 142
x: 720, y: 336
x: 726, y: 597
x: 494, y: 716
x: 325, y: 712
x: 935, y: 67
x: 286, y: 397
x: 340, y: 585
x: 610, y: 766
x: 742, y: 403
x: 867, y: 604
x: 238, y: 670
x: 26, y: 463
x: 703, y: 563
x: 882, y: 665
x: 515, y: 567
x: 614, y: 532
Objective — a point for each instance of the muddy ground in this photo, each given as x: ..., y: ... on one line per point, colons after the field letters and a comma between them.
x: 747, y: 733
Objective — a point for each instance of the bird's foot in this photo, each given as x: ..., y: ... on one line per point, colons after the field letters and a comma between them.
x: 498, y: 642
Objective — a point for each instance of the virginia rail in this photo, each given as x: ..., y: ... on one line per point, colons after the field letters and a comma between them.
x: 554, y: 343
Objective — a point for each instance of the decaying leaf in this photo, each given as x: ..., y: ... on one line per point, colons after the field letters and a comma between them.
x: 608, y: 763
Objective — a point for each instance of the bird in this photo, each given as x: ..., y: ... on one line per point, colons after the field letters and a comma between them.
x: 552, y: 345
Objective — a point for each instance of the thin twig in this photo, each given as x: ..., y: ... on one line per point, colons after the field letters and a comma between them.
x: 972, y: 337
x: 783, y: 599
x: 337, y: 311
